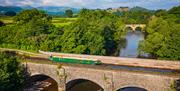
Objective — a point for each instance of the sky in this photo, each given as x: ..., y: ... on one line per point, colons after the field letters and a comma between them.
x: 93, y: 4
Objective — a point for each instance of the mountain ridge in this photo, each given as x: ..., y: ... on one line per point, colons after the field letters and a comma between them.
x: 51, y: 10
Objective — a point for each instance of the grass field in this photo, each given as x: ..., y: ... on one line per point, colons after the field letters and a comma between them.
x: 7, y: 20
x: 62, y: 21
x: 61, y: 24
x: 56, y: 21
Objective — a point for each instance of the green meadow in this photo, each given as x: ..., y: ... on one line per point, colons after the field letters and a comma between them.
x: 7, y: 20
x: 56, y: 21
x: 62, y: 21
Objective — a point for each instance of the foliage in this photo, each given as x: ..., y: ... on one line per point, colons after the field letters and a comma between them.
x: 32, y: 31
x: 163, y: 37
x: 161, y: 12
x: 33, y: 15
x: 69, y: 13
x: 175, y: 85
x: 175, y: 10
x: 11, y: 72
x: 94, y: 32
x: 136, y: 15
x: 10, y: 13
x: 1, y: 23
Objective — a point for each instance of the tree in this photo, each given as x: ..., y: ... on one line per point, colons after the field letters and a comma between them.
x: 32, y: 15
x: 163, y: 38
x: 69, y: 13
x: 10, y: 13
x: 11, y: 72
x: 32, y: 30
x: 175, y: 10
x: 161, y: 12
x: 136, y: 15
x: 1, y: 23
x: 95, y: 32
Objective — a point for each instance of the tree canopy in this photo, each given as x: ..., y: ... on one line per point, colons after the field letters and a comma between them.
x: 163, y: 36
x: 11, y: 72
x: 95, y: 32
x: 32, y: 31
x: 1, y: 23
x: 10, y: 13
x: 69, y: 13
x: 135, y: 16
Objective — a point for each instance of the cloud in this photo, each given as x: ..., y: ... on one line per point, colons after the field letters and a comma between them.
x: 151, y: 4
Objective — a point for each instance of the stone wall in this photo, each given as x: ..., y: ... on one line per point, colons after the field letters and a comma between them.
x: 109, y: 80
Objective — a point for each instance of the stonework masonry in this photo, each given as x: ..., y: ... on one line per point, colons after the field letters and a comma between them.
x: 109, y: 80
x: 134, y: 26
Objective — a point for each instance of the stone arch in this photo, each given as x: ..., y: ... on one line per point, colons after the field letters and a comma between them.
x: 92, y: 86
x: 131, y: 88
x: 129, y: 27
x: 135, y: 26
x: 139, y: 27
x: 142, y: 28
x: 47, y: 82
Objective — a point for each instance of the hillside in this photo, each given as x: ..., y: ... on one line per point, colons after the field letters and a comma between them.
x: 52, y: 10
x: 137, y: 8
x: 10, y: 8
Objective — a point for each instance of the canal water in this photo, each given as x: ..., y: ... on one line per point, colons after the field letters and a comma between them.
x: 132, y: 40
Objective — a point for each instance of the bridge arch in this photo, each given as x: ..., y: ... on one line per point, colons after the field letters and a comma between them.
x: 44, y: 74
x: 133, y: 27
x: 139, y: 28
x: 42, y: 80
x: 89, y: 85
x: 109, y: 80
x: 129, y: 28
x: 131, y: 88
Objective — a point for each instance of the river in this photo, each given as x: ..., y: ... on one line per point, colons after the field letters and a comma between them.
x: 131, y: 44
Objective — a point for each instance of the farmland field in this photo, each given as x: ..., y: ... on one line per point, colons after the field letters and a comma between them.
x: 7, y: 20
x: 63, y: 21
x: 55, y: 21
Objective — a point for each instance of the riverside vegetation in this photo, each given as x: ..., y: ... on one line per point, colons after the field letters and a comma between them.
x: 95, y: 32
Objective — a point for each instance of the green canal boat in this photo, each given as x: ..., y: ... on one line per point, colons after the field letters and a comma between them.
x: 75, y: 60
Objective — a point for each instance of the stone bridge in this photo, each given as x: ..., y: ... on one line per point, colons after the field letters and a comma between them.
x: 107, y: 79
x: 135, y: 26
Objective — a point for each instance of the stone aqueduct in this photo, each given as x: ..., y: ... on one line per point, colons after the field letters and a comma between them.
x: 135, y: 26
x: 109, y: 80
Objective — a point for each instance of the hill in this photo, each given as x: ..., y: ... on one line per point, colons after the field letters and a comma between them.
x: 57, y: 10
x: 137, y: 8
x: 4, y: 9
x: 51, y: 10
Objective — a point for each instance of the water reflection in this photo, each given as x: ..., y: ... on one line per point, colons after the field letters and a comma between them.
x: 132, y: 89
x: 41, y: 83
x: 132, y: 41
x: 82, y: 85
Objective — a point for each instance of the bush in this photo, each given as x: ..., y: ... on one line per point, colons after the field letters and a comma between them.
x: 11, y: 72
